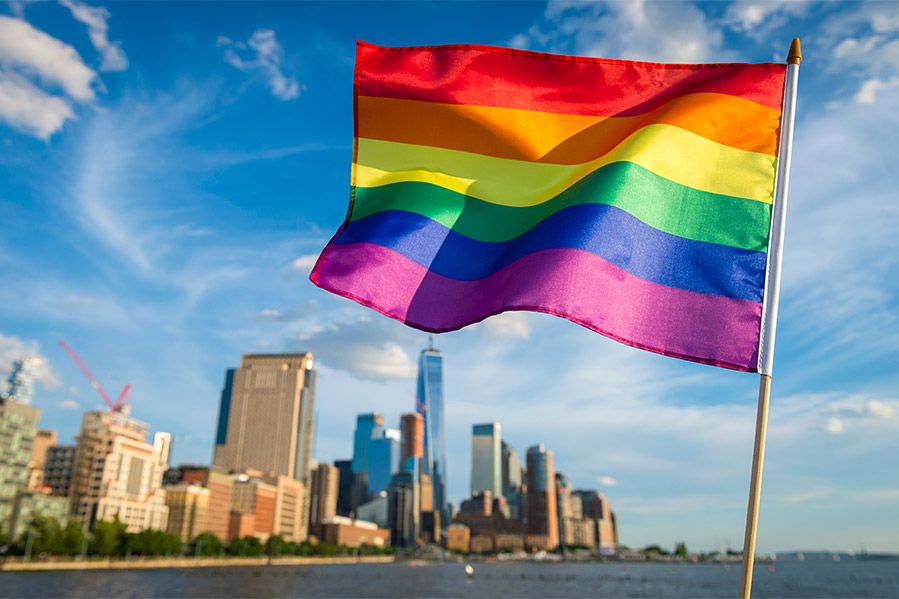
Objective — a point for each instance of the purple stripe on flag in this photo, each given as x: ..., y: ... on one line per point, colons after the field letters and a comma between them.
x: 572, y: 284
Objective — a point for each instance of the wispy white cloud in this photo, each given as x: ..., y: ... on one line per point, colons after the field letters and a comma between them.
x: 28, y: 54
x: 757, y: 17
x: 304, y: 263
x: 68, y: 404
x: 867, y: 94
x: 509, y: 325
x: 53, y: 61
x: 308, y: 309
x: 607, y: 481
x: 834, y: 426
x: 29, y: 109
x: 112, y: 57
x: 629, y: 30
x: 370, y: 348
x: 266, y: 60
x: 863, y: 42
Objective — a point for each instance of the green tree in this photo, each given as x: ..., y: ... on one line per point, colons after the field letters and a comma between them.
x: 108, y: 538
x: 680, y: 549
x: 325, y: 549
x: 206, y: 544
x: 171, y: 544
x: 46, y: 535
x: 275, y: 546
x: 655, y: 549
x: 245, y: 547
x: 71, y: 538
x: 153, y: 542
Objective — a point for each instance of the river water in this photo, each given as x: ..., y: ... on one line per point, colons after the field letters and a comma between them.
x: 848, y: 578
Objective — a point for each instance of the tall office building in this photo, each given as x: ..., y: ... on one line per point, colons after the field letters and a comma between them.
x: 20, y: 384
x: 511, y: 467
x: 325, y: 484
x: 412, y: 452
x: 266, y: 416
x: 18, y: 426
x: 117, y: 472
x: 512, y: 479
x: 58, y: 468
x: 344, y: 487
x: 542, y: 507
x: 383, y: 460
x: 368, y: 428
x: 404, y: 510
x: 486, y: 469
x: 429, y: 403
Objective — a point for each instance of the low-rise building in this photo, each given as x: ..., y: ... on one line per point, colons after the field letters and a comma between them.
x: 375, y: 511
x: 29, y: 503
x: 339, y: 530
x: 458, y: 537
x: 188, y: 504
x: 509, y: 542
x: 481, y: 544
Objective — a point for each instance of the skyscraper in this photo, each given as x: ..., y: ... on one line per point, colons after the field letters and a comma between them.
x: 542, y: 508
x: 429, y: 403
x: 512, y: 481
x: 266, y: 416
x: 344, y: 487
x: 511, y: 467
x: 325, y: 484
x: 412, y: 426
x: 486, y: 470
x: 404, y: 509
x: 368, y: 427
x: 21, y: 379
x: 383, y: 460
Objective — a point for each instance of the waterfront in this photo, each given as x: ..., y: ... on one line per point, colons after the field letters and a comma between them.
x: 853, y: 578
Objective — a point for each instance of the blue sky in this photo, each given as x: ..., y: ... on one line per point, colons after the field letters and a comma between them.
x: 168, y: 172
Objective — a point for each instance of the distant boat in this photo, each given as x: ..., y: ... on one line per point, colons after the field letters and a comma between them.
x: 469, y: 571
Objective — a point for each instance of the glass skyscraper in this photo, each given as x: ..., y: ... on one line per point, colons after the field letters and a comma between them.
x: 429, y: 403
x: 486, y: 468
x: 383, y: 460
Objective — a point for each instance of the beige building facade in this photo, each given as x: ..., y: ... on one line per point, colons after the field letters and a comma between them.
x: 266, y: 416
x: 188, y: 505
x: 118, y: 473
x: 43, y: 441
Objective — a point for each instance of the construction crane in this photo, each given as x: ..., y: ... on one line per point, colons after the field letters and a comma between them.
x: 123, y: 396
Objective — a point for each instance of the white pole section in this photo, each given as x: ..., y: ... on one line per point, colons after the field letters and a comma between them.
x: 779, y: 215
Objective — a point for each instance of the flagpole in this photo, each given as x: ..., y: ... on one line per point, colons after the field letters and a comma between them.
x: 769, y: 311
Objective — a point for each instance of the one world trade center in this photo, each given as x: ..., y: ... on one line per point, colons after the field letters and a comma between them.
x: 429, y: 403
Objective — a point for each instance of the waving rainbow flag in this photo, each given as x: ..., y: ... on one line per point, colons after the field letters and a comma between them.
x: 631, y: 198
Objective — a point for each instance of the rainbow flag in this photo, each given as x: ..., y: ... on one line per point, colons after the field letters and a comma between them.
x: 631, y: 198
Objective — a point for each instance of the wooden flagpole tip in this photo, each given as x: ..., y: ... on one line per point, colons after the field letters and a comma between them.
x: 795, y: 55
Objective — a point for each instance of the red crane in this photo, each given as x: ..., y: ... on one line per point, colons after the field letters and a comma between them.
x: 123, y: 396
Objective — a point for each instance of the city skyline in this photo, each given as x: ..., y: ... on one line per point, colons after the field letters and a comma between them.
x: 164, y: 213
